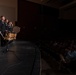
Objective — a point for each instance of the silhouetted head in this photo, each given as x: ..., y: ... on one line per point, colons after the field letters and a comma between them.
x: 6, y: 20
x: 2, y: 18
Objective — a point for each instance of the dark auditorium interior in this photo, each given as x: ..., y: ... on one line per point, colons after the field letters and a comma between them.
x: 46, y: 43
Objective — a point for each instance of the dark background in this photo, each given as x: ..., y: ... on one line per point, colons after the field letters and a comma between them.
x: 40, y: 22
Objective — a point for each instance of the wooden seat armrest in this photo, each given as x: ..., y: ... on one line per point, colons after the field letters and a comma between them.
x: 62, y: 58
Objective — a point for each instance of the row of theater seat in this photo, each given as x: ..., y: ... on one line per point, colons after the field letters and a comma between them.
x: 56, y: 47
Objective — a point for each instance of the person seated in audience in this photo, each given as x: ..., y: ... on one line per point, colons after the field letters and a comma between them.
x: 55, y: 43
x: 69, y: 54
x: 69, y: 58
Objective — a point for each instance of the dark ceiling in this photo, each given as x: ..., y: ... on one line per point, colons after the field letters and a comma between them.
x: 54, y: 3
